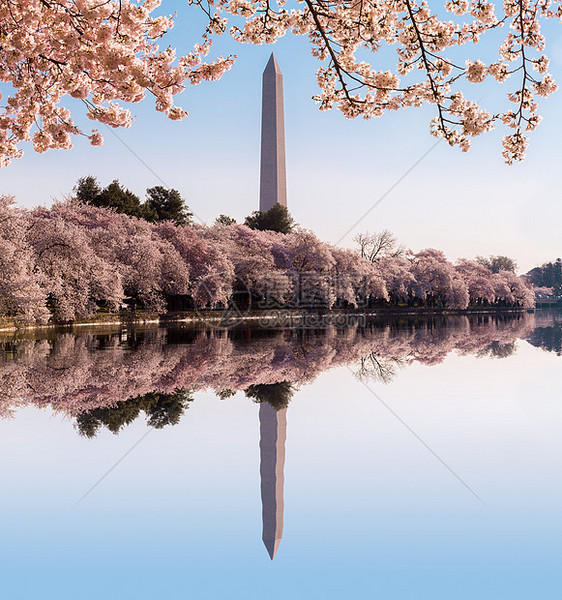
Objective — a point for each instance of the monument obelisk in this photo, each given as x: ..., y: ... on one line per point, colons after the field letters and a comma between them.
x: 273, y: 190
x: 273, y: 432
x: 273, y: 177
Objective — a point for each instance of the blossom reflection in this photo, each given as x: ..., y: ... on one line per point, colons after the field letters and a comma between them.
x: 91, y: 376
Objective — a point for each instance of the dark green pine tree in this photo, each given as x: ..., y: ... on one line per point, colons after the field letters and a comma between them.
x: 276, y: 218
x: 166, y: 205
x: 87, y: 189
x: 225, y: 220
x: 113, y: 196
x: 120, y: 198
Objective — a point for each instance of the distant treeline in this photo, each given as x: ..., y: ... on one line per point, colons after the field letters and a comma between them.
x: 548, y: 275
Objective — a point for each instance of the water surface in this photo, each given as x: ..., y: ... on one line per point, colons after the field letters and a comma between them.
x: 414, y: 458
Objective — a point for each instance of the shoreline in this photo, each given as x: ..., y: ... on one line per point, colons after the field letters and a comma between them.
x: 284, y: 317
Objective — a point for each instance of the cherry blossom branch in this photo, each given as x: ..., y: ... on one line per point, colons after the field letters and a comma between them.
x: 434, y: 90
x: 332, y: 53
x: 104, y: 53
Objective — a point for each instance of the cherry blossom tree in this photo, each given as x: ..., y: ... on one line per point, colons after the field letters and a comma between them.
x: 512, y: 290
x: 309, y: 263
x: 357, y: 280
x: 210, y: 271
x: 543, y: 292
x: 89, y: 254
x: 256, y: 267
x: 21, y: 297
x: 398, y: 277
x: 76, y: 258
x: 73, y: 276
x: 433, y: 60
x: 436, y: 280
x: 479, y: 281
x: 349, y: 282
x: 107, y: 54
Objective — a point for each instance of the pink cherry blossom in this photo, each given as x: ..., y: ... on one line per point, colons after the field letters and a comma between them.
x: 21, y: 295
x: 374, y: 57
x: 75, y: 259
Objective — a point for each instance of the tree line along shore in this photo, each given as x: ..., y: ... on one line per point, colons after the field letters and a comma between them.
x: 101, y: 252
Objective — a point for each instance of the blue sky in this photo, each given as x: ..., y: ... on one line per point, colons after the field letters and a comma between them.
x: 464, y: 204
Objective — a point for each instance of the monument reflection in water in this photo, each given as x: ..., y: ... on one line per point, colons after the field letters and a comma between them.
x: 273, y: 433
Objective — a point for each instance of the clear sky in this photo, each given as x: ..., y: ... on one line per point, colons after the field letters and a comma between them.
x: 464, y: 204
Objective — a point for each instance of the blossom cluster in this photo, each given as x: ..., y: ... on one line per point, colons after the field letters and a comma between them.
x: 103, y: 54
x: 346, y: 37
x: 75, y: 259
x: 106, y: 54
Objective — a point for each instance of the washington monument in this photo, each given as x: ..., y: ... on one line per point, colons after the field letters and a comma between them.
x: 273, y: 178
x: 273, y: 431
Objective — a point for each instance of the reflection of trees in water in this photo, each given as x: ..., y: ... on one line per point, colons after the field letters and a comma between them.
x: 497, y: 350
x: 547, y: 338
x: 108, y: 379
x: 278, y: 395
x: 160, y: 410
x: 168, y: 409
x: 379, y: 368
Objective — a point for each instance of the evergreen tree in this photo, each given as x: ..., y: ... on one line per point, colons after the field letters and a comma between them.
x: 277, y: 218
x: 114, y: 196
x: 87, y: 189
x: 225, y: 220
x: 121, y: 199
x: 548, y: 275
x: 161, y: 204
x: 166, y: 205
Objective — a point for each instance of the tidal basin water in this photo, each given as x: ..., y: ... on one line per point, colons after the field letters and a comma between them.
x: 412, y: 458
